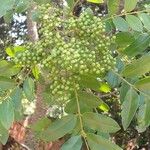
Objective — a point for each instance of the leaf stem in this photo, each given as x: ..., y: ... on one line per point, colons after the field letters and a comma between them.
x: 87, y: 146
x: 130, y: 84
x: 79, y: 112
x: 126, y: 13
x: 80, y: 119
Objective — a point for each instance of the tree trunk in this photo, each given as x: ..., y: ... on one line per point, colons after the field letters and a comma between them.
x: 40, y: 110
x: 31, y: 25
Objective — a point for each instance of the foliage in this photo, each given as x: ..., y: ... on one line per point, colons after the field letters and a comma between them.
x: 77, y: 58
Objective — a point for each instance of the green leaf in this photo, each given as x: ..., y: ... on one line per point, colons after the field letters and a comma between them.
x: 77, y: 128
x: 6, y: 113
x: 70, y: 3
x: 22, y: 6
x: 28, y: 88
x: 100, y: 122
x: 142, y: 101
x: 138, y: 46
x: 87, y: 102
x: 8, y: 69
x: 41, y: 125
x: 89, y: 99
x: 123, y: 91
x: 96, y: 1
x: 96, y: 142
x: 109, y: 25
x: 134, y: 22
x: 89, y: 81
x: 112, y: 79
x: 130, y: 5
x: 11, y: 51
x: 6, y: 5
x: 105, y: 88
x: 74, y: 143
x: 104, y: 135
x: 121, y: 24
x: 129, y: 107
x: 16, y: 97
x: 113, y: 6
x: 4, y: 135
x: 19, y: 116
x: 143, y: 84
x: 119, y: 64
x: 140, y: 119
x: 143, y: 115
x: 138, y: 67
x: 104, y: 107
x: 124, y: 39
x: 59, y: 128
x: 6, y: 83
x: 36, y: 72
x: 145, y: 18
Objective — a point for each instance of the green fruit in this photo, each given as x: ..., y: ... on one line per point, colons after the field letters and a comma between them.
x: 67, y: 49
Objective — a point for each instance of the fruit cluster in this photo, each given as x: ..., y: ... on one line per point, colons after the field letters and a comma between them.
x: 68, y: 48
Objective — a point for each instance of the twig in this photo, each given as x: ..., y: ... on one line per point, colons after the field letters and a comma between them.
x: 109, y: 94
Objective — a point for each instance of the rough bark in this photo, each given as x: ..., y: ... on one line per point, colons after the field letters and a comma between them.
x: 1, y: 146
x: 31, y: 25
x: 30, y: 139
x: 40, y: 110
